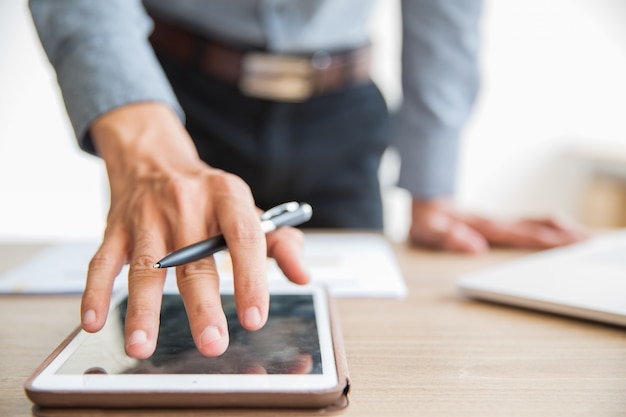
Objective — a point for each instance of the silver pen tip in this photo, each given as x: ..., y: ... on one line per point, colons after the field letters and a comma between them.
x: 156, y: 265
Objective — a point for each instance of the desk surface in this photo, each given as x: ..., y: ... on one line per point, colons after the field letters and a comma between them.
x: 431, y: 354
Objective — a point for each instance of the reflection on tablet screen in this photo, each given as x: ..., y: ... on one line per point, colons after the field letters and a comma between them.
x: 287, y: 344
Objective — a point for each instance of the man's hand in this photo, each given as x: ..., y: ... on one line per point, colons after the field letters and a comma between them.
x: 163, y: 197
x: 437, y: 224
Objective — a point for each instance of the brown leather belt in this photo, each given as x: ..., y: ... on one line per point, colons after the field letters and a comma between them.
x: 259, y: 74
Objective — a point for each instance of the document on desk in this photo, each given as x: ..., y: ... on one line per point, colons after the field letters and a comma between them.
x: 348, y: 264
x: 56, y: 269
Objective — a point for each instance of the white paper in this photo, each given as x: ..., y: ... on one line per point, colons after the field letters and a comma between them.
x: 348, y: 264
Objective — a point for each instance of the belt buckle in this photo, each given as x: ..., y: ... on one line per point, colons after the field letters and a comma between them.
x: 277, y: 77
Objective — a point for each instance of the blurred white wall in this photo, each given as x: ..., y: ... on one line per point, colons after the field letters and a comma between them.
x: 49, y: 190
x: 554, y: 76
x: 554, y: 79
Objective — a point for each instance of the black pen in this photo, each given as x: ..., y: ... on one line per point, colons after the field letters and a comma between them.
x: 287, y: 214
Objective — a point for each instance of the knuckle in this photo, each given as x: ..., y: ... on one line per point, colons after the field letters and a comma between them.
x: 195, y: 271
x: 247, y: 236
x: 227, y: 183
x: 101, y: 261
x: 140, y: 310
x: 205, y: 308
x: 179, y: 189
x: 142, y: 262
x: 252, y: 287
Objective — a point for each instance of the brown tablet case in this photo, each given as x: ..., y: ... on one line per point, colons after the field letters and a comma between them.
x: 48, y: 403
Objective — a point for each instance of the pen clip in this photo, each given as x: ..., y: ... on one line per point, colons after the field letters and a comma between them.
x: 274, y: 212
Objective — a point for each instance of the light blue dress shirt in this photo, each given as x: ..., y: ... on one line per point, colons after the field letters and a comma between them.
x: 103, y: 60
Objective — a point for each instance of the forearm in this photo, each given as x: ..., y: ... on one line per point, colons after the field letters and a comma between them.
x: 102, y: 58
x: 440, y: 82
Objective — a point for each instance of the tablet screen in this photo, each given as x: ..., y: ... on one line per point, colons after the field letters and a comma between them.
x: 287, y: 344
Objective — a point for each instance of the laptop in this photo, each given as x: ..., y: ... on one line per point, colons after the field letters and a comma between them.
x: 585, y: 280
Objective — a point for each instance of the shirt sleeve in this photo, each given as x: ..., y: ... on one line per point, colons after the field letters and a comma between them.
x: 102, y: 58
x: 440, y: 79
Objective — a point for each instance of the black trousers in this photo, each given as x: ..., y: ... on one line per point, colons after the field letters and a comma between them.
x: 325, y: 151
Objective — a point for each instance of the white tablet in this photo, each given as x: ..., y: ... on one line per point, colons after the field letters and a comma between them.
x: 295, y: 360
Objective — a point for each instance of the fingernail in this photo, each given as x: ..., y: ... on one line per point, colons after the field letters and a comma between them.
x: 138, y: 337
x: 252, y: 317
x: 89, y: 317
x: 210, y: 335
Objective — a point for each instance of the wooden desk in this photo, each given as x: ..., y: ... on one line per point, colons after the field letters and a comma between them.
x: 431, y: 354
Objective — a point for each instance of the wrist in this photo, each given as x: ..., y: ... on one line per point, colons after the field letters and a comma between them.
x: 435, y: 203
x: 142, y: 137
